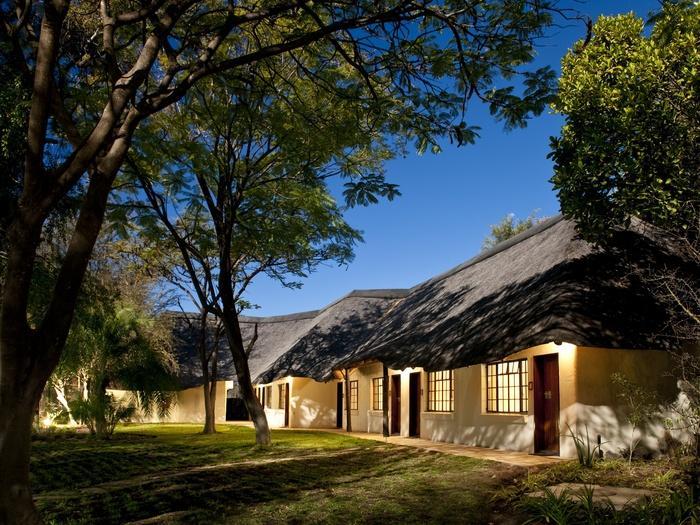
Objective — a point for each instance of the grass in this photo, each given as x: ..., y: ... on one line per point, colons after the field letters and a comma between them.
x: 177, y: 475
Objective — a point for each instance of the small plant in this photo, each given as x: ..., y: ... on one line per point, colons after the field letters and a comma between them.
x: 641, y: 406
x: 681, y: 509
x: 585, y: 453
x: 558, y: 509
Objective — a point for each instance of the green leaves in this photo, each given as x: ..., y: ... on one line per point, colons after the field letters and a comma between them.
x: 365, y: 191
x: 632, y: 109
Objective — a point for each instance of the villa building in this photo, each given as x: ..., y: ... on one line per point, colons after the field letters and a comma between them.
x: 513, y: 349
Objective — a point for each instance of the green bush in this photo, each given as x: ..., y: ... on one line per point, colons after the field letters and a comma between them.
x: 101, y: 414
x: 567, y: 507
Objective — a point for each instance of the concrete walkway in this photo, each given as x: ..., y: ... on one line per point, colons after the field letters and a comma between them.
x: 520, y: 459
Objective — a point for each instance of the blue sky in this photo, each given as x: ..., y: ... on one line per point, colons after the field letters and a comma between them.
x: 448, y: 200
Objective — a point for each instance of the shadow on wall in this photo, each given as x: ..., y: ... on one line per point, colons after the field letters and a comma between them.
x: 513, y: 436
x: 311, y: 414
x: 472, y: 317
x: 616, y: 432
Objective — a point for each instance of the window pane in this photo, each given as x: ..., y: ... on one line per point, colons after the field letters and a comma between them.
x: 506, y: 386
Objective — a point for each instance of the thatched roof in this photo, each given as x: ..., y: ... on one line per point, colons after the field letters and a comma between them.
x: 544, y: 285
x: 303, y: 344
x: 275, y: 336
x: 337, y: 331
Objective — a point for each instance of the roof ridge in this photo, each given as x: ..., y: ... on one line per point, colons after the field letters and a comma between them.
x: 500, y: 247
x: 310, y: 314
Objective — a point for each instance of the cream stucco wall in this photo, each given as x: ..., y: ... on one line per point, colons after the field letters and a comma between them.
x: 472, y: 425
x: 188, y: 405
x: 311, y: 404
x: 586, y: 398
x: 598, y: 407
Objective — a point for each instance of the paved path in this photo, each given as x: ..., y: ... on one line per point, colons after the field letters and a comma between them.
x: 520, y: 459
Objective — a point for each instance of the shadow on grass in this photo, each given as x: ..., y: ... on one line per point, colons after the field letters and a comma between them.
x: 364, y: 485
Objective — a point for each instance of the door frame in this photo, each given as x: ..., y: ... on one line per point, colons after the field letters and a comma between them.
x: 414, y: 398
x: 540, y: 438
x: 339, y: 405
x: 286, y: 404
x: 395, y: 404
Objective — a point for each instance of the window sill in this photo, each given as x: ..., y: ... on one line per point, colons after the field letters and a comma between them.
x: 514, y: 417
x: 437, y: 415
x: 373, y: 412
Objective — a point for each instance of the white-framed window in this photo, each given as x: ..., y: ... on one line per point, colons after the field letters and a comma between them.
x: 441, y: 391
x: 353, y: 395
x: 378, y: 393
x: 268, y: 396
x: 507, y: 387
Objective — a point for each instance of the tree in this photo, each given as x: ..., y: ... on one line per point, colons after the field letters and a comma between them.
x: 510, y: 226
x: 97, y: 74
x: 253, y: 160
x: 628, y: 148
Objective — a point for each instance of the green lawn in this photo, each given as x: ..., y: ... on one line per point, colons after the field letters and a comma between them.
x: 179, y: 476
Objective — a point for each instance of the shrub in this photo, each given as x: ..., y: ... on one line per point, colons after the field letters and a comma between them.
x: 641, y: 406
x: 102, y: 414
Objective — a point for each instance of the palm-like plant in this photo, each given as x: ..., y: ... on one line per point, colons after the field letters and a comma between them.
x: 117, y: 339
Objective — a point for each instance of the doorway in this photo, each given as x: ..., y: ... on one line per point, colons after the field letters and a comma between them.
x: 339, y: 406
x: 414, y: 405
x: 286, y: 405
x: 546, y: 393
x: 396, y: 404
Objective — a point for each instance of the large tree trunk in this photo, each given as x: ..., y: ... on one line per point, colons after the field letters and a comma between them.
x: 209, y: 410
x: 16, y: 504
x: 240, y: 362
x: 28, y: 355
x: 210, y: 417
x: 232, y: 328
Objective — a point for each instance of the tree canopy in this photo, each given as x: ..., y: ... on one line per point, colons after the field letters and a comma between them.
x: 631, y: 104
x: 510, y: 226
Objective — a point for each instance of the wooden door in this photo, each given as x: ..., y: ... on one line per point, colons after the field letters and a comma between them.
x: 286, y: 404
x: 546, y: 395
x: 396, y: 404
x: 414, y: 405
x: 339, y: 406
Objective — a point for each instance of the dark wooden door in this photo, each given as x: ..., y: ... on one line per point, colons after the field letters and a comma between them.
x: 414, y: 405
x: 396, y: 404
x: 286, y: 404
x: 546, y: 395
x: 339, y: 407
